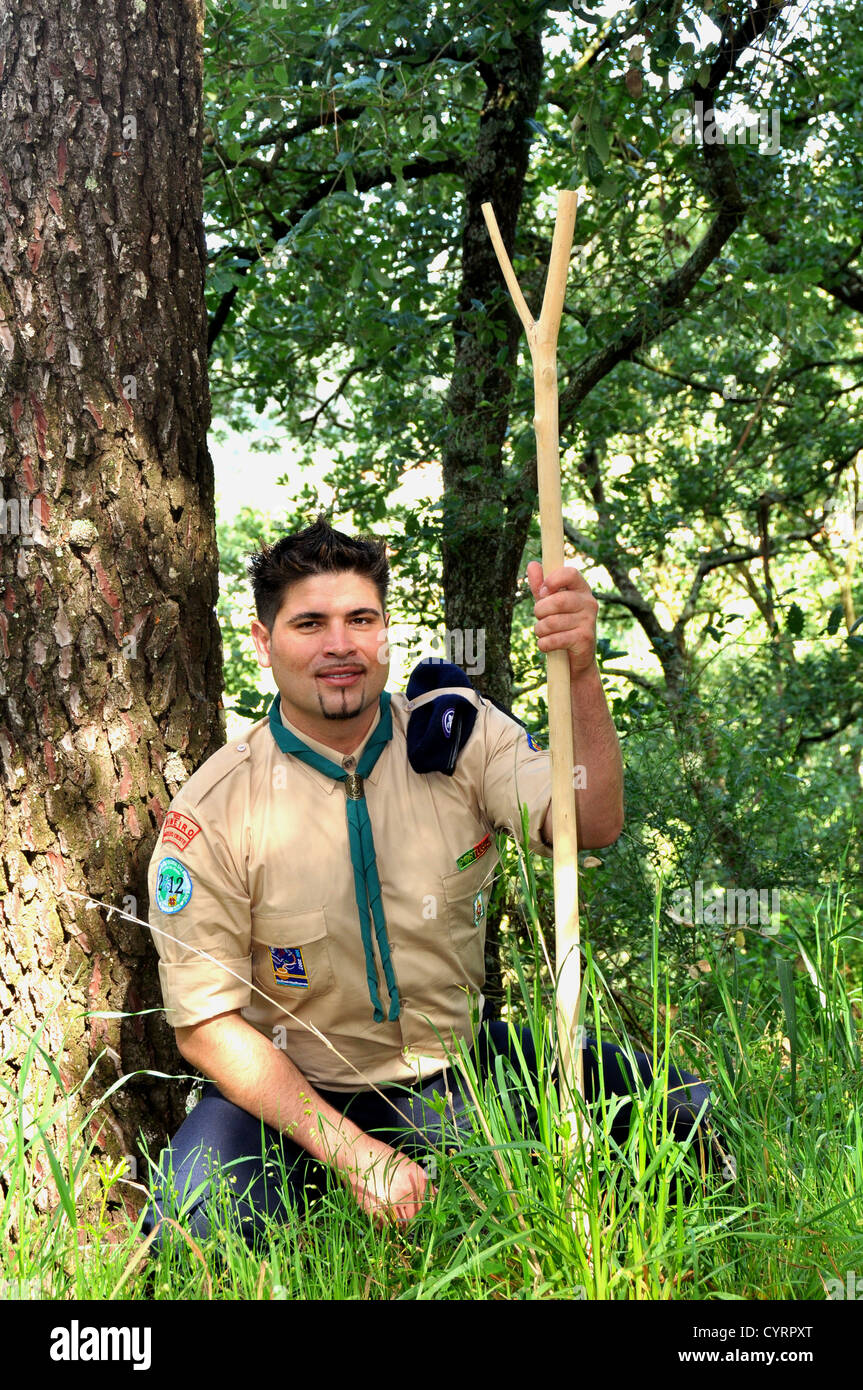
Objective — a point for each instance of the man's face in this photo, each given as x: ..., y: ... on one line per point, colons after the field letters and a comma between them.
x: 325, y: 650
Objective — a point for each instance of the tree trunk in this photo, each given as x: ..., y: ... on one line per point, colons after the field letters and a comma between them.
x: 111, y: 659
x: 482, y: 542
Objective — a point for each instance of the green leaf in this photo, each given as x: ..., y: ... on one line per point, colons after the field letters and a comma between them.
x: 593, y: 164
x: 599, y: 140
x: 378, y: 279
x: 835, y: 619
x: 361, y: 84
x: 610, y: 186
x: 794, y: 620
x: 306, y: 221
x: 789, y: 1009
x: 853, y: 641
x: 585, y: 228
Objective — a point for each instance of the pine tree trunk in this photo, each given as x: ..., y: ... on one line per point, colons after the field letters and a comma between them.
x: 110, y: 657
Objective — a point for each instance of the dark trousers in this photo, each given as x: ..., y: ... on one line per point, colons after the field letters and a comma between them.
x: 264, y: 1169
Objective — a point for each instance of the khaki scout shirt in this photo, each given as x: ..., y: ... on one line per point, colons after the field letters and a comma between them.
x: 253, y: 866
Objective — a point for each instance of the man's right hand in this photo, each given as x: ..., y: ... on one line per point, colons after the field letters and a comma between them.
x: 386, y: 1184
x: 262, y: 1079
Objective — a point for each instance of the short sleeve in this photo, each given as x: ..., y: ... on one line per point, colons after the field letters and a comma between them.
x: 199, y: 904
x: 516, y: 773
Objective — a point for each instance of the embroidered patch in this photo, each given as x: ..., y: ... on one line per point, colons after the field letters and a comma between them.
x: 478, y: 909
x: 288, y: 966
x: 530, y: 743
x: 173, y: 885
x: 447, y: 719
x: 471, y: 855
x: 178, y: 830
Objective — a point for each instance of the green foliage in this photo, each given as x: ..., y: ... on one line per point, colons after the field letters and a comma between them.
x: 237, y: 540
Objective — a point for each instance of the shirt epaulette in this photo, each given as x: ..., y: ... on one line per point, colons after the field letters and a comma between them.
x: 218, y: 766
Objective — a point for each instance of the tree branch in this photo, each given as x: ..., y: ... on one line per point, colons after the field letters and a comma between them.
x: 364, y: 180
x: 663, y: 642
x: 635, y: 679
x: 714, y: 559
x: 312, y: 420
x: 652, y: 319
x: 825, y: 734
x: 665, y: 305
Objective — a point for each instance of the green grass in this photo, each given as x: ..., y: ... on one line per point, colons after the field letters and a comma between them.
x: 774, y: 1028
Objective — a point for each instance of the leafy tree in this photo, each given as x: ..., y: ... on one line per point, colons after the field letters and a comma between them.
x: 709, y: 355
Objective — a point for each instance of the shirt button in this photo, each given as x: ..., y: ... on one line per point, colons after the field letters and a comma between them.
x: 241, y: 748
x: 349, y: 764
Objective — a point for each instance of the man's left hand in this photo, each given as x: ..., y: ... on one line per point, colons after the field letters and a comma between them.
x: 565, y: 612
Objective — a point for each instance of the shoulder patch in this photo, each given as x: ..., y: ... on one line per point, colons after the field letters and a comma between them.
x: 537, y: 748
x: 173, y: 885
x: 178, y: 830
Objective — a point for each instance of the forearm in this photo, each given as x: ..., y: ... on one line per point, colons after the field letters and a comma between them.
x: 260, y: 1078
x: 598, y: 766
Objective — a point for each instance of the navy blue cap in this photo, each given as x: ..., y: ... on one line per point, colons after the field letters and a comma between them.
x: 439, y: 728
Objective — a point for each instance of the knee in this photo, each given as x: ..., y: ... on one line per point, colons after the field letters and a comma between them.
x: 688, y: 1097
x: 689, y: 1104
x: 163, y: 1215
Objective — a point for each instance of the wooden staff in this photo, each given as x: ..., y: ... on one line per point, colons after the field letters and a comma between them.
x: 542, y: 340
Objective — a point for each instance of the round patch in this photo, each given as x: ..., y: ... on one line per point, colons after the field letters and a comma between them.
x: 447, y: 720
x: 173, y: 885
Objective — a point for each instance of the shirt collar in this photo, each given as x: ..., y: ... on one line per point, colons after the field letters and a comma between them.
x: 333, y: 753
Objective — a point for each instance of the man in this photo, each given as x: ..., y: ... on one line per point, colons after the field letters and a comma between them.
x: 319, y: 888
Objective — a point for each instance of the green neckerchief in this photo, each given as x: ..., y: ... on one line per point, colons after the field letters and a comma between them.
x: 366, y: 882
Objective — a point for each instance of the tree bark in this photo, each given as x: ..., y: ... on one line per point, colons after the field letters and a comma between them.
x: 482, y: 543
x: 483, y: 540
x: 111, y: 660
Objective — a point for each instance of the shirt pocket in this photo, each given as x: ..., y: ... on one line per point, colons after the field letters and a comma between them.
x: 466, y: 893
x: 291, y: 956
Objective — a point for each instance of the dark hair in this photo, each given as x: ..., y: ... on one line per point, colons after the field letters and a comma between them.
x: 316, y: 550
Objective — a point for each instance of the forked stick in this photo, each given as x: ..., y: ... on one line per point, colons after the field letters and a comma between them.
x: 542, y: 340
